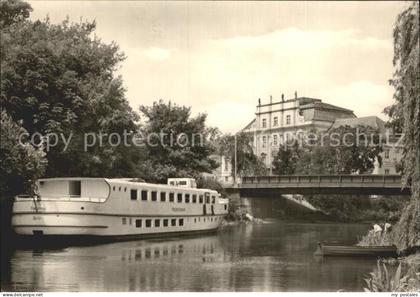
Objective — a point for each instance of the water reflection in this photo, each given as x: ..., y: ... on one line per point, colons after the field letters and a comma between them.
x: 268, y: 257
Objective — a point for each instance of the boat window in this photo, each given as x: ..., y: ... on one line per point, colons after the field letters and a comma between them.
x: 157, y: 223
x: 182, y: 183
x: 173, y: 222
x: 163, y: 196
x: 125, y: 189
x: 225, y: 206
x: 124, y: 221
x: 144, y: 195
x: 148, y: 223
x: 130, y: 222
x: 179, y: 197
x: 154, y: 196
x: 213, y: 199
x: 195, y: 220
x: 133, y: 194
x: 75, y: 188
x: 171, y: 197
x: 207, y: 199
x: 165, y: 222
x: 181, y: 222
x: 113, y: 188
x: 187, y: 198
x: 201, y: 200
x: 138, y: 223
x: 119, y: 189
x: 194, y: 198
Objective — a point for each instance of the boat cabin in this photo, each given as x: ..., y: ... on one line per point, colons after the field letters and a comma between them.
x: 182, y: 182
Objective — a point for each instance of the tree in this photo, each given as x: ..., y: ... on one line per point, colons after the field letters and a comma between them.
x: 20, y: 162
x: 284, y: 163
x: 342, y: 150
x: 176, y: 143
x: 248, y: 162
x: 13, y: 11
x: 59, y: 79
x: 405, y: 115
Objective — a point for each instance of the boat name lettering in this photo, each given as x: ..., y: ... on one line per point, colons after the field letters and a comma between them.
x: 178, y: 209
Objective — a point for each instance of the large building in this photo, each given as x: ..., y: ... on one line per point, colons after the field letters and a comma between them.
x: 277, y: 121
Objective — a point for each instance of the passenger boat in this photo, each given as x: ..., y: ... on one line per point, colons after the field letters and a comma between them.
x: 119, y: 208
x: 353, y: 250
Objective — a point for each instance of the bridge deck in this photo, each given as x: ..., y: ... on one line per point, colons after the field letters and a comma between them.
x: 324, y: 184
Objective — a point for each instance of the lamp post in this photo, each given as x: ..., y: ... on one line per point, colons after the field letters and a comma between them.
x: 235, y: 161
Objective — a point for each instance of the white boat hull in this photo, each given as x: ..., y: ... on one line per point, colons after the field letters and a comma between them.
x: 116, y: 214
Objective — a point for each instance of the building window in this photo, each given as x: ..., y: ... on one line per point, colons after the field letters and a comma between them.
x: 124, y: 221
x: 201, y: 199
x: 162, y: 196
x: 173, y: 222
x: 288, y: 120
x: 157, y: 223
x: 275, y: 140
x: 138, y: 223
x: 179, y: 197
x: 171, y: 197
x: 264, y: 123
x: 276, y: 121
x: 226, y: 164
x: 165, y: 222
x: 386, y: 171
x: 187, y: 198
x: 264, y: 141
x: 148, y: 223
x: 154, y: 196
x: 226, y: 179
x: 133, y: 194
x: 181, y: 222
x: 386, y: 154
x: 144, y: 195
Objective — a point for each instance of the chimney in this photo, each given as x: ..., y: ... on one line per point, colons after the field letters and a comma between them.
x: 295, y: 94
x: 282, y: 97
x: 271, y: 99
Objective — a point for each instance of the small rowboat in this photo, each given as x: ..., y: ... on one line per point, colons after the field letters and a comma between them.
x: 353, y: 250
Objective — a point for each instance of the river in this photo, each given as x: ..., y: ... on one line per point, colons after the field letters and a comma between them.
x: 276, y: 256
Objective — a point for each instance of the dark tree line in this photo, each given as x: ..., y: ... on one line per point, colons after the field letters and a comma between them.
x: 60, y: 79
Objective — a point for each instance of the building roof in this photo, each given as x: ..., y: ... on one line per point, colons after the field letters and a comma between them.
x: 322, y: 105
x: 370, y: 121
x: 249, y: 125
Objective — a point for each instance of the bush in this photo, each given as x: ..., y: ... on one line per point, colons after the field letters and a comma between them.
x: 405, y: 279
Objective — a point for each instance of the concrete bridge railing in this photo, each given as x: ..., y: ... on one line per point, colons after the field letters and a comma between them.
x: 318, y: 184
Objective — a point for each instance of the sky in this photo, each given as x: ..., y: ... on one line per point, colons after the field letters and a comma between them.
x: 220, y: 57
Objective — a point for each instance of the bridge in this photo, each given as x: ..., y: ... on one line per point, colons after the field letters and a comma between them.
x: 322, y: 184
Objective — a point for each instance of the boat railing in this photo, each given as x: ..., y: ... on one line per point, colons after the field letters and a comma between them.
x: 75, y: 198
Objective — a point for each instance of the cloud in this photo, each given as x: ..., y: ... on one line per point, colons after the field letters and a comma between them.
x: 364, y: 97
x: 225, y: 77
x: 156, y: 53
